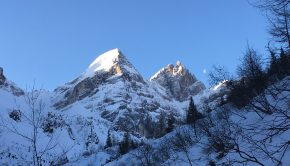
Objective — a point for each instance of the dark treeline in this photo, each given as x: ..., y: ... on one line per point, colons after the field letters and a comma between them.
x: 253, y: 75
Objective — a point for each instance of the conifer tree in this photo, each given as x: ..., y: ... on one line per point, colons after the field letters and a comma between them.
x: 192, y: 114
x: 161, y: 124
x: 109, y: 140
x: 170, y: 123
x: 133, y: 145
x: 124, y: 146
x: 92, y: 138
x: 274, y: 66
x: 283, y: 63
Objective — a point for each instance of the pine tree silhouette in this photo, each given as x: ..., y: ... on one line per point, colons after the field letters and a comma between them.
x: 192, y: 114
x: 109, y: 140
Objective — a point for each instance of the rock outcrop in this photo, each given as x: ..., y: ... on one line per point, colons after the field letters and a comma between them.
x: 9, y: 85
x: 178, y: 81
x: 2, y: 77
x: 107, y: 69
x: 115, y: 89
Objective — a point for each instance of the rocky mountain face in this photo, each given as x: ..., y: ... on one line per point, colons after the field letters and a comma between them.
x: 112, y: 86
x: 8, y: 85
x: 110, y: 95
x: 112, y: 100
x: 112, y: 67
x: 2, y: 77
x: 178, y: 81
x: 107, y: 69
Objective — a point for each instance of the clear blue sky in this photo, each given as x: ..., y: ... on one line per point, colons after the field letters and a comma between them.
x: 53, y: 41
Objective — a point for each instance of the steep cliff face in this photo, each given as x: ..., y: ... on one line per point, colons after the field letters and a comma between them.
x: 112, y: 86
x: 110, y: 95
x: 107, y: 69
x: 2, y: 77
x: 9, y: 85
x: 178, y: 81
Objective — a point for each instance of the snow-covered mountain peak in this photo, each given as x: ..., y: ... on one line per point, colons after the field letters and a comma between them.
x: 112, y: 61
x: 104, y: 61
x: 110, y: 68
x: 178, y: 81
x: 178, y: 70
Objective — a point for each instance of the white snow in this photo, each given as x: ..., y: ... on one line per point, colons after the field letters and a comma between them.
x: 89, y: 110
x: 104, y: 62
x: 219, y: 85
x: 157, y: 74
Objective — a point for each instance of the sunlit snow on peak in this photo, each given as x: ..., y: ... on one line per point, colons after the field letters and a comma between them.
x: 104, y: 62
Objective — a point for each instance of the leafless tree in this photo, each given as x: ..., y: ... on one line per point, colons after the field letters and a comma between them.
x: 168, y: 150
x: 218, y: 74
x: 264, y: 138
x: 145, y: 155
x: 33, y: 116
x: 276, y: 100
x: 251, y: 64
x: 278, y: 15
x: 181, y: 142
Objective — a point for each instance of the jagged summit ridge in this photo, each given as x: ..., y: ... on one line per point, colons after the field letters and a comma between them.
x: 109, y: 96
x: 178, y: 70
x: 110, y: 68
x: 178, y: 81
x: 105, y: 61
x: 112, y: 61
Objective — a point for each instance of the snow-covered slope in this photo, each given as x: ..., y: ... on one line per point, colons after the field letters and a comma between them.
x: 108, y: 68
x: 115, y: 91
x: 110, y: 95
x: 111, y: 60
x: 226, y: 135
x: 73, y: 122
